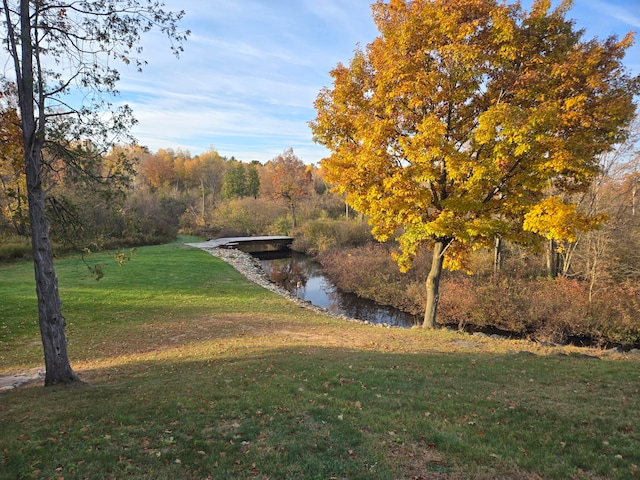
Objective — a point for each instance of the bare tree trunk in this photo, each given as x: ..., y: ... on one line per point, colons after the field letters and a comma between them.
x: 497, y: 255
x: 552, y: 259
x: 433, y: 283
x: 52, y: 323
x: 634, y: 191
x: 202, y: 188
x: 566, y: 257
x: 293, y: 215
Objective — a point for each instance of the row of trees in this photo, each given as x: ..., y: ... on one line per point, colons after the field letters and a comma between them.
x: 207, y: 179
x: 155, y: 195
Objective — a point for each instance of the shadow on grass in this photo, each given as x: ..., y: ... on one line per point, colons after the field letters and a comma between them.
x: 321, y: 412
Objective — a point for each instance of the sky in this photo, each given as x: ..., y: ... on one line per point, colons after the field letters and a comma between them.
x: 251, y: 70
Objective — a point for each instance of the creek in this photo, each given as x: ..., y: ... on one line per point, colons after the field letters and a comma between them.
x: 304, y: 278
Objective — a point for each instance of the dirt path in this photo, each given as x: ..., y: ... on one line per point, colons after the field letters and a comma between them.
x: 11, y: 381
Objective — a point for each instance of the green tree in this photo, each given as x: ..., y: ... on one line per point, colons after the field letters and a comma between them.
x: 56, y: 48
x: 454, y: 124
x: 235, y: 180
x: 253, y: 179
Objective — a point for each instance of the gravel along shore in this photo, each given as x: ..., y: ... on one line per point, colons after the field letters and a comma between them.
x: 251, y: 269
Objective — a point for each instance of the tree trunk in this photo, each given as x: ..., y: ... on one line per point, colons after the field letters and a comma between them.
x: 202, y: 188
x: 293, y: 215
x: 497, y: 255
x: 552, y: 259
x: 52, y: 323
x: 433, y: 283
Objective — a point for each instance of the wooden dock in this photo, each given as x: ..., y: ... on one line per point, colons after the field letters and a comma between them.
x: 249, y: 244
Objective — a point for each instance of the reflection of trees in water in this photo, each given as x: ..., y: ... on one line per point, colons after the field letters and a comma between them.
x: 288, y: 275
x: 293, y: 274
x: 367, y: 310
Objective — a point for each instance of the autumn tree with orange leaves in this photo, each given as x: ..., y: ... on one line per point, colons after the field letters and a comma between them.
x: 13, y: 189
x: 287, y: 179
x: 470, y: 119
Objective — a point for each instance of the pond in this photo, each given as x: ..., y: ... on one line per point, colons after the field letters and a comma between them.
x: 304, y: 278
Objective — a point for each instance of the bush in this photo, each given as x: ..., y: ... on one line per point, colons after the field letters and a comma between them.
x: 146, y: 219
x: 14, y: 247
x: 319, y: 236
x: 615, y: 315
x: 246, y: 216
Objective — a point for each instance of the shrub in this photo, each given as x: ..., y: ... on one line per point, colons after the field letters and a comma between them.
x: 14, y: 247
x: 282, y: 226
x: 245, y: 216
x: 146, y: 219
x: 319, y: 236
x: 615, y: 315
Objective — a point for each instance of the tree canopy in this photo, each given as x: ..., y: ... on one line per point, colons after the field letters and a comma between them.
x: 470, y: 119
x: 287, y: 179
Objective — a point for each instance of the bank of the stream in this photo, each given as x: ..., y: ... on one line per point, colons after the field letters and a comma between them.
x: 555, y: 311
x: 301, y: 278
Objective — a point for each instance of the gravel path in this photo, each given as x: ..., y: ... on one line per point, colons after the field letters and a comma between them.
x: 14, y: 380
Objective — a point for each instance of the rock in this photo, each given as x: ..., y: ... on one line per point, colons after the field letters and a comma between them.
x: 9, y: 382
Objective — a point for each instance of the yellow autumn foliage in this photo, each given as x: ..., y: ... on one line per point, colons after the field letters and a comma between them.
x: 556, y: 219
x: 457, y: 122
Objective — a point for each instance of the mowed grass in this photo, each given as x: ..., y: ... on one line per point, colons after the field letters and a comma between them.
x: 193, y: 372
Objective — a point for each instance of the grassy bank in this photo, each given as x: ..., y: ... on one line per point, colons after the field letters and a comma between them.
x: 193, y: 372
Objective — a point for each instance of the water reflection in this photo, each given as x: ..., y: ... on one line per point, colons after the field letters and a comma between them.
x: 305, y: 278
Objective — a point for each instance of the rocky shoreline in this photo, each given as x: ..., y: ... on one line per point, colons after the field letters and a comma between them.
x: 250, y: 268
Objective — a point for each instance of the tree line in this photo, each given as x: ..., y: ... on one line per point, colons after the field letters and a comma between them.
x: 159, y: 193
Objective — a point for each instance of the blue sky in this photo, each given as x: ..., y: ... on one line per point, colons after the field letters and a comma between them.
x: 251, y: 70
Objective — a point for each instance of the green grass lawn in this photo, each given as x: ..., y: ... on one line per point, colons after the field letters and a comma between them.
x: 194, y: 372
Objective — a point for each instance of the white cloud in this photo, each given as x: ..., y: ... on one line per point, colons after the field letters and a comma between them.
x: 627, y: 12
x: 251, y: 70
x: 247, y: 79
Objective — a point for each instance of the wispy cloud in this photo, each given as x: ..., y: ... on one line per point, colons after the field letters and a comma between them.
x: 625, y: 11
x: 251, y: 70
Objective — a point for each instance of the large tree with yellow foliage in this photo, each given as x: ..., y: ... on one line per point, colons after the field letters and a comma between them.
x: 470, y: 119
